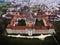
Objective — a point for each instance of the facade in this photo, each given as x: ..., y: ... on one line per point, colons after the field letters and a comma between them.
x: 30, y: 20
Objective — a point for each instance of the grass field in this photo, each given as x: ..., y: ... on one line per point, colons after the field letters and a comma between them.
x: 57, y: 29
x: 39, y: 23
x: 1, y: 12
x: 34, y: 9
x: 20, y: 41
x: 3, y: 3
x: 56, y: 26
x: 21, y: 23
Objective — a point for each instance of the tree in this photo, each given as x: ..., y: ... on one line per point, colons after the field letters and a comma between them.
x: 1, y: 26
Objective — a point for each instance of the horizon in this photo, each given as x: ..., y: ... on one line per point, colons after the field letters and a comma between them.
x: 52, y: 1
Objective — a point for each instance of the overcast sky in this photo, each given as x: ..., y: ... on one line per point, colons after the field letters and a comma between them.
x: 57, y: 1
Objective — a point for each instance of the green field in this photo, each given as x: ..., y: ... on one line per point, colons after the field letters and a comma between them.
x: 1, y: 12
x: 3, y: 3
x: 20, y: 41
x: 56, y: 25
x: 34, y: 9
x: 57, y: 29
x: 39, y: 23
x: 21, y: 23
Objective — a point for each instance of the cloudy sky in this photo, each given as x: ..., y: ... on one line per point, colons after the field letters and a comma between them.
x: 48, y: 1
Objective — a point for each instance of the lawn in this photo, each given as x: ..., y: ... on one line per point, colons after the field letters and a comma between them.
x: 21, y: 41
x: 21, y: 23
x: 39, y: 23
x: 3, y: 3
x: 57, y: 29
x: 33, y: 9
x: 1, y: 12
x: 56, y: 26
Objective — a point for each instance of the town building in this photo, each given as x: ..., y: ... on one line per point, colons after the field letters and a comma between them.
x: 27, y: 23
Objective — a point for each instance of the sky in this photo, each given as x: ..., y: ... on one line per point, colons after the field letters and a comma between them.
x: 44, y: 1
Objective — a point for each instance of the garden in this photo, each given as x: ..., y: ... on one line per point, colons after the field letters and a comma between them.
x: 39, y: 23
x: 21, y: 23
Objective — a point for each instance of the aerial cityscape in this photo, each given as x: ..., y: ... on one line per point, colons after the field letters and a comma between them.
x: 30, y: 22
